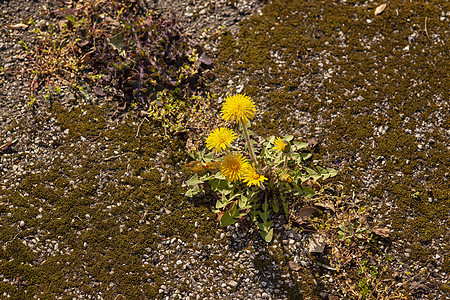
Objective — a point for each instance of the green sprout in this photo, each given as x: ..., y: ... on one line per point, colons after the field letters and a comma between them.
x: 23, y: 44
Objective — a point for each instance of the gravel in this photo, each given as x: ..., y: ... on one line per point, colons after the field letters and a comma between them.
x: 234, y: 263
x: 40, y: 138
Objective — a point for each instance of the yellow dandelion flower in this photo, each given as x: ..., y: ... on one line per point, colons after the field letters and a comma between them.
x: 279, y: 144
x: 286, y: 178
x: 240, y: 107
x: 220, y: 139
x: 233, y: 166
x: 252, y: 177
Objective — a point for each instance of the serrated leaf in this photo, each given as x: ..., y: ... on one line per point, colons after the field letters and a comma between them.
x: 219, y: 176
x: 194, y: 180
x: 308, y: 192
x: 285, y: 207
x: 267, y: 236
x: 324, y: 172
x: 300, y: 145
x: 303, y: 178
x: 263, y: 216
x: 270, y: 140
x: 222, y: 203
x: 194, y: 155
x: 321, y: 170
x: 310, y: 171
x: 243, y: 202
x: 288, y: 138
x: 193, y: 192
x: 265, y: 213
x: 253, y: 215
x: 227, y: 220
x: 305, y: 156
x: 275, y: 206
x: 117, y: 43
x: 332, y: 172
x: 217, y: 184
x: 209, y: 156
x: 298, y: 190
x: 264, y: 226
x: 296, y: 156
x: 238, y: 215
x: 316, y: 177
x: 260, y: 226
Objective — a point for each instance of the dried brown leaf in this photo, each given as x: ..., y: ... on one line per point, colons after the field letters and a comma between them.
x: 112, y: 21
x: 85, y: 59
x: 303, y: 214
x: 381, y: 231
x: 326, y: 205
x: 312, y: 184
x: 313, y: 142
x: 293, y: 265
x: 22, y: 56
x: 99, y: 91
x: 317, y: 243
x: 205, y: 61
x: 61, y: 24
x: 380, y: 9
x: 220, y: 214
x: 17, y: 26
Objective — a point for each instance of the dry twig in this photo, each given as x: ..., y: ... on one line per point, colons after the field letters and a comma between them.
x: 6, y: 145
x: 426, y: 29
x: 139, y: 126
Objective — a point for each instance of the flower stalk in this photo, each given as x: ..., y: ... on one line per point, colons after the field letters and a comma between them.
x: 249, y: 145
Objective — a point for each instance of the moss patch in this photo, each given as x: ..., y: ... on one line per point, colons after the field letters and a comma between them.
x: 92, y: 210
x: 373, y: 87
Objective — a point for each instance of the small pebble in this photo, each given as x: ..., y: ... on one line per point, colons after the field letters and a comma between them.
x: 233, y: 283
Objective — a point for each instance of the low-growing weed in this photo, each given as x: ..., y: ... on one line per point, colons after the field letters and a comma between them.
x: 247, y: 184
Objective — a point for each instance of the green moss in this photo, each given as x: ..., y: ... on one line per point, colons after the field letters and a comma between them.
x: 17, y: 251
x: 46, y: 193
x: 182, y: 223
x: 420, y: 253
x: 28, y: 183
x: 109, y: 225
x: 393, y: 89
x: 446, y: 262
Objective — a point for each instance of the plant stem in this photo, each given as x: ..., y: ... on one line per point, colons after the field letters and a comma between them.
x: 265, y: 207
x: 249, y: 145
